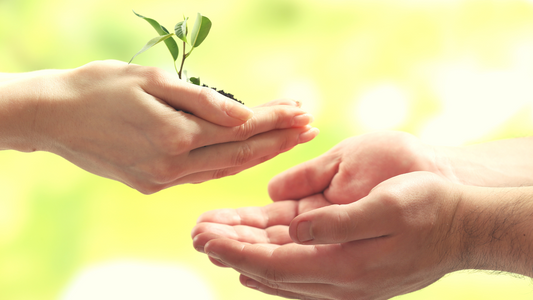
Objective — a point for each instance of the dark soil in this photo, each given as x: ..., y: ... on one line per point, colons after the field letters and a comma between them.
x: 224, y: 93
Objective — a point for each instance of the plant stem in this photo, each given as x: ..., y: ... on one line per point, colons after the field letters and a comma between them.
x: 176, y: 68
x: 182, y: 61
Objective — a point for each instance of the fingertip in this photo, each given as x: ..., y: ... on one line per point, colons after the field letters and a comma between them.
x: 200, y: 240
x: 217, y: 263
x: 283, y: 101
x: 238, y: 111
x: 308, y: 135
x: 249, y: 283
x: 301, y: 231
x: 304, y: 232
x: 274, y: 187
x: 302, y: 120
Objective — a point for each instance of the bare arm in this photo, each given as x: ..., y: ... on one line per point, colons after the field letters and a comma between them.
x: 495, y: 229
x: 499, y: 163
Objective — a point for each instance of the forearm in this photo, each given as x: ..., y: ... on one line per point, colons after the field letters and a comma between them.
x: 9, y: 76
x: 503, y: 163
x: 20, y: 97
x: 495, y: 229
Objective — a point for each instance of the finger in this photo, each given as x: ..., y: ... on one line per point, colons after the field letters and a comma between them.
x: 220, y: 173
x: 236, y: 154
x: 284, y: 101
x: 217, y: 263
x: 199, y: 240
x: 308, y: 291
x: 265, y: 119
x: 287, y: 263
x: 274, y: 218
x: 364, y: 219
x: 268, y: 224
x: 253, y: 284
x: 306, y: 179
x: 280, y: 213
x: 203, y: 102
x: 278, y: 235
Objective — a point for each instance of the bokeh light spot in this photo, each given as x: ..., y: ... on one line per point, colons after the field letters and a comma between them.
x: 134, y: 280
x: 382, y: 107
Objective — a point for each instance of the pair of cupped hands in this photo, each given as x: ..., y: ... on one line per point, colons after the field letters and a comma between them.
x: 338, y: 223
x: 378, y: 215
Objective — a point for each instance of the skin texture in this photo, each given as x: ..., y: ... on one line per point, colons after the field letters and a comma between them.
x: 129, y: 123
x: 378, y: 216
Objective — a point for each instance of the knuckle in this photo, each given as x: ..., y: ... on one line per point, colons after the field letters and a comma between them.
x: 390, y: 199
x: 207, y: 96
x: 287, y: 142
x: 163, y: 173
x: 171, y: 141
x: 336, y: 227
x: 154, y: 76
x: 342, y: 226
x: 221, y: 173
x: 246, y: 130
x: 244, y: 154
x: 282, y: 118
x: 273, y: 278
x: 148, y: 189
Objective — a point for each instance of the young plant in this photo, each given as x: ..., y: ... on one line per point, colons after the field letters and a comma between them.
x: 199, y: 32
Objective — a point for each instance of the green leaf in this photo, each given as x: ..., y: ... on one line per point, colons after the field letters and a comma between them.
x: 181, y: 30
x: 201, y: 28
x: 171, y: 43
x: 152, y: 43
x: 165, y: 30
x: 195, y: 80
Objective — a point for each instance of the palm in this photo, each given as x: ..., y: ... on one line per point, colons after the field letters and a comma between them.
x: 393, y: 234
x: 255, y: 225
x: 349, y: 171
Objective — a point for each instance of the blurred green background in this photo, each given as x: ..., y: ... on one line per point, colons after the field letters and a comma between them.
x: 451, y: 72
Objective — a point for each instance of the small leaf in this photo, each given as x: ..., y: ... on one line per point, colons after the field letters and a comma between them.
x: 181, y: 30
x: 195, y: 80
x: 171, y: 43
x: 152, y: 43
x: 201, y: 28
x: 164, y: 29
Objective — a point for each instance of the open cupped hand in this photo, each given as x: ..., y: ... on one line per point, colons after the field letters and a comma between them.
x: 395, y: 240
x: 355, y: 166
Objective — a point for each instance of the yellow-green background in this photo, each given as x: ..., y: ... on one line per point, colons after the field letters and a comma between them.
x: 460, y: 71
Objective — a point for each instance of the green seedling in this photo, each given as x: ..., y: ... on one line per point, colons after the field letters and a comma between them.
x: 193, y: 39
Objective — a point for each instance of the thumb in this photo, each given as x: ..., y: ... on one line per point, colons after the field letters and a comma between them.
x: 334, y: 224
x: 202, y: 102
x: 309, y: 178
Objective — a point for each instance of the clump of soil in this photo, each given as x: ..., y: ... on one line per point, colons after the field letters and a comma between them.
x: 224, y: 93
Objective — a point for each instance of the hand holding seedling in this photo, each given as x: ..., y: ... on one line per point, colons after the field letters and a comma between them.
x: 127, y: 123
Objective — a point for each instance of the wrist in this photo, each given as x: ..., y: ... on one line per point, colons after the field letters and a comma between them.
x: 493, y: 227
x: 21, y: 115
x: 461, y: 165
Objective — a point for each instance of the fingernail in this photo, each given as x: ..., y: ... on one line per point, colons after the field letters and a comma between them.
x: 239, y: 111
x: 304, y: 231
x: 213, y: 255
x: 308, y: 135
x: 200, y: 249
x: 302, y: 120
x: 252, y: 284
